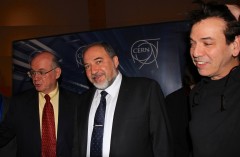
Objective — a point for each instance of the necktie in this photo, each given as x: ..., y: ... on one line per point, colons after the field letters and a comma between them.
x: 48, y: 130
x: 97, y: 134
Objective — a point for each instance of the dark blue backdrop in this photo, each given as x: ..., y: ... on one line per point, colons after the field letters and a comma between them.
x: 155, y: 51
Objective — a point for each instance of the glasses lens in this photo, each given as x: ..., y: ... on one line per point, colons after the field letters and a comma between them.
x: 29, y: 74
x: 33, y: 73
x: 40, y: 73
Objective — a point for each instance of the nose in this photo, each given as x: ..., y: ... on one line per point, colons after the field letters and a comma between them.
x: 36, y: 76
x: 94, y: 69
x: 196, y: 50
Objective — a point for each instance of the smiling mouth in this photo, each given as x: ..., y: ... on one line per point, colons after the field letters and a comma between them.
x: 96, y: 77
x: 199, y: 62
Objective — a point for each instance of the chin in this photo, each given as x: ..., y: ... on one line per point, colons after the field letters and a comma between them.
x: 37, y: 89
x: 204, y: 74
x: 101, y: 86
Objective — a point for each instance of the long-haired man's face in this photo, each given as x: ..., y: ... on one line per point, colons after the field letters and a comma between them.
x: 210, y: 52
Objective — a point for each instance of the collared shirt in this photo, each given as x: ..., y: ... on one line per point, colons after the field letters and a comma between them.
x: 54, y: 95
x: 111, y: 100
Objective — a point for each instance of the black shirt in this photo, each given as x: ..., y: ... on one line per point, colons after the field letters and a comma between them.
x: 215, y: 117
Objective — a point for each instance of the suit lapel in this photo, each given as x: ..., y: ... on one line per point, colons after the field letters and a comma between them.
x: 119, y: 114
x: 65, y: 112
x: 84, y: 110
x: 33, y: 101
x: 33, y: 111
x: 61, y: 113
x: 122, y: 97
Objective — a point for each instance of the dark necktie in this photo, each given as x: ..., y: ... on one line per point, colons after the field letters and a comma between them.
x: 97, y: 134
x: 48, y: 130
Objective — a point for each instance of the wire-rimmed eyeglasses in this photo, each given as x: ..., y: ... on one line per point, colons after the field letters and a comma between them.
x: 41, y: 73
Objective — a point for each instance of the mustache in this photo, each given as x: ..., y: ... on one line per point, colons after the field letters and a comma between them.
x: 93, y: 76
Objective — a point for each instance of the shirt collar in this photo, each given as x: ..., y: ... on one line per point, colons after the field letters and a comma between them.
x: 52, y: 93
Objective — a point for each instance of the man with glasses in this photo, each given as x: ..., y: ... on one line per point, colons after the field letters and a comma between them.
x: 27, y: 118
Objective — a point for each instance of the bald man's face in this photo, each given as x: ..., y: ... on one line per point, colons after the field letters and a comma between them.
x: 47, y: 82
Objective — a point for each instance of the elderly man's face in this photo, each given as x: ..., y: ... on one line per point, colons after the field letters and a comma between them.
x: 47, y: 82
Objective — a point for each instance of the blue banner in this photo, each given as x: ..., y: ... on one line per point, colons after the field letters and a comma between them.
x: 155, y: 51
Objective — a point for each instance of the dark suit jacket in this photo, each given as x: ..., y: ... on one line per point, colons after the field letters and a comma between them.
x: 22, y: 120
x: 178, y: 108
x: 5, y: 101
x: 10, y: 149
x: 140, y: 127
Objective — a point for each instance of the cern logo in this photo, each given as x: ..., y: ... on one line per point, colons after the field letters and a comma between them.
x: 145, y: 52
x: 78, y: 56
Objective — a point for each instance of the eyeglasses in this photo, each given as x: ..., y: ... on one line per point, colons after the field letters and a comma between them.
x: 41, y: 73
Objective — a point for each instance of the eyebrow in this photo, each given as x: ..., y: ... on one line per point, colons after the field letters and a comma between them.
x: 204, y: 38
x: 207, y: 38
x: 98, y: 58
x: 94, y: 60
x: 41, y: 69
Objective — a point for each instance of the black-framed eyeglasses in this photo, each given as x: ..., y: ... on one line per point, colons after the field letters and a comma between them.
x: 41, y: 73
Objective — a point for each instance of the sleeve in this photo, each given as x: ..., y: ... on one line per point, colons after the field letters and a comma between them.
x: 162, y: 139
x: 7, y: 132
x: 75, y: 147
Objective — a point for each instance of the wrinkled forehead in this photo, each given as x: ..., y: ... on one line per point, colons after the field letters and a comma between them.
x: 42, y: 55
x: 95, y: 51
x: 42, y: 61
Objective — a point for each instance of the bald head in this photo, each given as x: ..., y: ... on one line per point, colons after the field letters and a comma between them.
x: 45, y: 72
x: 46, y: 55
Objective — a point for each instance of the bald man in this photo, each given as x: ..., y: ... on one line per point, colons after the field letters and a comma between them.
x: 24, y: 119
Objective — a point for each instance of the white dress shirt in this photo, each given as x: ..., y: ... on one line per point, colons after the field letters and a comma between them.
x: 111, y: 100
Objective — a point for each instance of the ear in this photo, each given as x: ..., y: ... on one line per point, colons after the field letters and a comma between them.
x: 58, y: 71
x: 115, y: 61
x: 236, y: 46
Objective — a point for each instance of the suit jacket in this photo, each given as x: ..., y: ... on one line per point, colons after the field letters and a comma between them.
x: 22, y: 120
x: 140, y: 125
x: 178, y: 108
x: 10, y: 149
x: 5, y: 105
